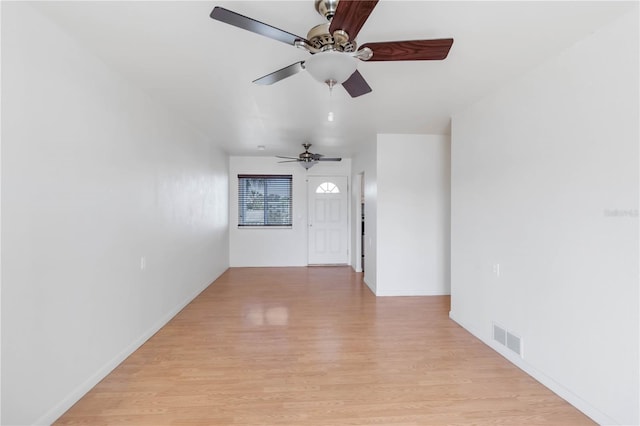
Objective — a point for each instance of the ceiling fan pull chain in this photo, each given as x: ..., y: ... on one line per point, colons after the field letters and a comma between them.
x: 330, y: 115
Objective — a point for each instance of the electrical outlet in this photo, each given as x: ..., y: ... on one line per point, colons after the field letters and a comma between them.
x: 496, y: 269
x: 143, y: 263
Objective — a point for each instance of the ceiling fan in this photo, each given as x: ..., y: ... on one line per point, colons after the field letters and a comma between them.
x: 334, y: 51
x: 306, y: 158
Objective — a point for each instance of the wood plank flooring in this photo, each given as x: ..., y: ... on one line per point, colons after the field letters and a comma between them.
x: 313, y: 346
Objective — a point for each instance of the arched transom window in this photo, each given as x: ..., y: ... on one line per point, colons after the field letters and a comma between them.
x: 327, y: 188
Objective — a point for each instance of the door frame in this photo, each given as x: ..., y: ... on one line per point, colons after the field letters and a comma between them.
x: 359, y: 201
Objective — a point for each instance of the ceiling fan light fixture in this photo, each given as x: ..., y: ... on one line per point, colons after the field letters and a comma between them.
x: 307, y: 164
x: 331, y: 67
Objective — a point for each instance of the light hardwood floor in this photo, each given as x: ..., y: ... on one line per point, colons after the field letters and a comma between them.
x: 313, y: 346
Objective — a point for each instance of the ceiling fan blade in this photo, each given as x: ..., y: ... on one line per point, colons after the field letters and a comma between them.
x: 351, y: 15
x: 232, y: 18
x: 410, y: 50
x: 281, y: 74
x: 356, y: 85
x: 329, y: 159
x: 287, y: 158
x: 289, y: 161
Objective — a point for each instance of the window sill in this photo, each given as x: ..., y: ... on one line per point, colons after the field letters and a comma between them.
x: 264, y: 227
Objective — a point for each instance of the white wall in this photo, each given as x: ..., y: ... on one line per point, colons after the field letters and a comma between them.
x: 413, y: 215
x: 407, y: 200
x: 94, y: 176
x: 275, y: 247
x: 545, y: 184
x: 0, y: 240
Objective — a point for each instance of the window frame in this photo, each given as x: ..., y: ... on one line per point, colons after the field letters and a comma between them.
x: 265, y: 223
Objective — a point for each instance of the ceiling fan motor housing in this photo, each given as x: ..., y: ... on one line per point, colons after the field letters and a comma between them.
x: 321, y: 39
x: 306, y: 155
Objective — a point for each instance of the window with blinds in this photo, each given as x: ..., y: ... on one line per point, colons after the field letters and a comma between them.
x: 264, y: 200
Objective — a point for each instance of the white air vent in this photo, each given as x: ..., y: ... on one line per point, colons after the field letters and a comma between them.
x: 499, y: 334
x: 513, y: 343
x: 506, y: 338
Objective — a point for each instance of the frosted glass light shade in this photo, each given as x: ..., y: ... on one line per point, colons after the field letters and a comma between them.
x: 331, y: 66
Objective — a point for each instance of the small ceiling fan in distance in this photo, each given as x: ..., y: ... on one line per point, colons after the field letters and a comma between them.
x: 335, y: 52
x: 307, y: 159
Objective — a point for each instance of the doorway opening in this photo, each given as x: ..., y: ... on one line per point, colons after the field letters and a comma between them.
x: 360, y: 228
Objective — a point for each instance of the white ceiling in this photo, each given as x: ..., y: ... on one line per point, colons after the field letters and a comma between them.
x: 202, y: 69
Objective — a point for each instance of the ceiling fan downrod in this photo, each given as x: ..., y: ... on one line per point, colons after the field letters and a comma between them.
x: 320, y: 38
x: 326, y: 8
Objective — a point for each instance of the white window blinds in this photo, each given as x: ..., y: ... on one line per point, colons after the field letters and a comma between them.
x: 264, y: 200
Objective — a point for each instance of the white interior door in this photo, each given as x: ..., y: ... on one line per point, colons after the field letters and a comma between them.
x: 328, y: 220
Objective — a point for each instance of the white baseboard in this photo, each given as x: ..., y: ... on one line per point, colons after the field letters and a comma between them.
x: 67, y: 402
x: 414, y: 293
x: 557, y: 388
